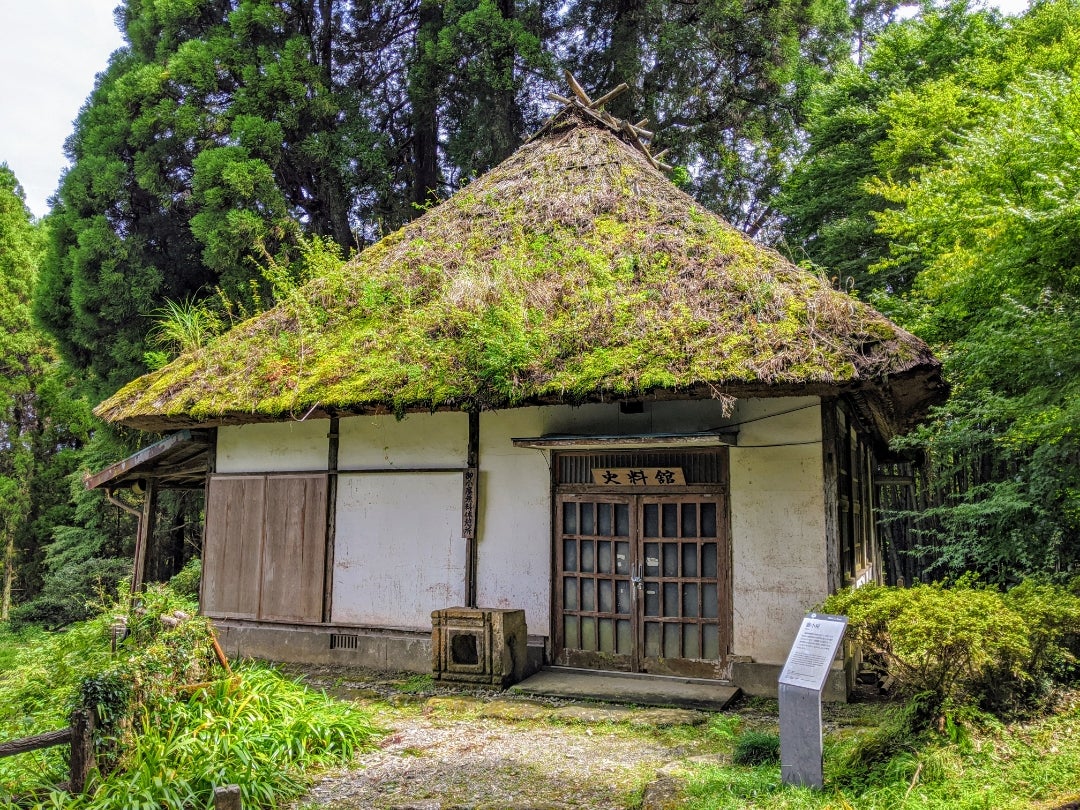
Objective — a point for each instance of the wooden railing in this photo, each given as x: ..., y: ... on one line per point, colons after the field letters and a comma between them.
x: 79, y: 735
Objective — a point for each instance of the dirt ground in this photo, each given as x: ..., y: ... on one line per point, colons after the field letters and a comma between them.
x: 480, y: 750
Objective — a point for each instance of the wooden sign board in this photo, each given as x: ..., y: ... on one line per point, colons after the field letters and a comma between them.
x: 640, y: 477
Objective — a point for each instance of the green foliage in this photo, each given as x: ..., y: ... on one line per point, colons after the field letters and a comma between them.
x: 756, y: 748
x: 186, y: 582
x: 172, y: 726
x: 964, y: 646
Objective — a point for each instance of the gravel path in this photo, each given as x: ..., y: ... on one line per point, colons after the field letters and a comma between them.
x: 494, y: 753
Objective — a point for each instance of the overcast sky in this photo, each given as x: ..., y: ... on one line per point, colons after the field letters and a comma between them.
x: 50, y: 52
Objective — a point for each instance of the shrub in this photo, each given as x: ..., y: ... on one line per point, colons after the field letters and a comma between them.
x: 965, y: 645
x: 756, y: 748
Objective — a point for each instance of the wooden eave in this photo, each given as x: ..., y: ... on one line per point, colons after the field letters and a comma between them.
x: 635, y: 441
x: 179, y: 461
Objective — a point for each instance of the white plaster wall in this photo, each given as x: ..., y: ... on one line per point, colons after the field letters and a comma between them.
x: 398, y: 552
x: 777, y: 523
x: 273, y: 447
x: 514, y: 555
x: 419, y: 440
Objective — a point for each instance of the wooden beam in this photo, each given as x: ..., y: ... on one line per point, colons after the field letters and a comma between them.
x: 560, y: 99
x: 604, y: 99
x: 144, y: 535
x: 579, y: 91
x: 470, y: 502
x: 83, y: 763
x: 831, y: 494
x: 333, y: 444
x: 35, y: 743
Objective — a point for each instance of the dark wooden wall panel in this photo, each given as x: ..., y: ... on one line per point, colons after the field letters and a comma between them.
x: 232, y: 557
x: 294, y: 552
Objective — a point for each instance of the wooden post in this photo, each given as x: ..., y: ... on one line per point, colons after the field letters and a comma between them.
x: 333, y: 443
x: 83, y: 762
x: 472, y: 503
x: 227, y: 798
x: 830, y: 448
x: 145, y: 534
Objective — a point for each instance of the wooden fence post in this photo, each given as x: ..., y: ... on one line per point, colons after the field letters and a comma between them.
x: 83, y: 761
x: 227, y: 798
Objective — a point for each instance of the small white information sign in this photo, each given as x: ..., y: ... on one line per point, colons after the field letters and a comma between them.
x: 812, y: 653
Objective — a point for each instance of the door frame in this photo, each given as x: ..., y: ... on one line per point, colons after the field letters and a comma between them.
x: 699, y: 668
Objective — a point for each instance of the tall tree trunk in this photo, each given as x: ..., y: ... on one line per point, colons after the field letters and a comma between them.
x: 423, y: 93
x: 9, y: 576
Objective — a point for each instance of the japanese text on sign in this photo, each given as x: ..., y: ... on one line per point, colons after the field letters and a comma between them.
x: 813, y: 651
x: 640, y: 477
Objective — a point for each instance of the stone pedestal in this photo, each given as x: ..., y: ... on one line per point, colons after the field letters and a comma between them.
x: 478, y: 645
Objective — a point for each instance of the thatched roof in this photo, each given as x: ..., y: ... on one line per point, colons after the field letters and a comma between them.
x: 574, y: 271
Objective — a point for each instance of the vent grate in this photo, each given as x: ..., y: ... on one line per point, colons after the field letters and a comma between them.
x: 699, y: 467
x: 343, y: 641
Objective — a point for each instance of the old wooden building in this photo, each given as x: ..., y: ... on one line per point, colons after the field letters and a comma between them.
x: 568, y: 390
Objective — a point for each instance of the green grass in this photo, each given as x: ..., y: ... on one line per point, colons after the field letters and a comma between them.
x: 169, y: 742
x: 994, y: 767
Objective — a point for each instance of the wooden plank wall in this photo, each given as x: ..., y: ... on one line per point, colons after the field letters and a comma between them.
x: 265, y: 547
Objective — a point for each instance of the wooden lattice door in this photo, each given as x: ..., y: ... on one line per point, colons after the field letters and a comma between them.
x: 642, y: 583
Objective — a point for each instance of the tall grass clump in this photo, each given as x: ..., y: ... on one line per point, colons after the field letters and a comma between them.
x: 171, y: 723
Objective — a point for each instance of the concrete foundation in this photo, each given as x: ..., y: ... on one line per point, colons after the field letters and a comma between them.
x: 762, y: 680
x: 361, y: 647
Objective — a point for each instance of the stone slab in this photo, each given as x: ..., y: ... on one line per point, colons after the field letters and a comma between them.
x: 618, y: 687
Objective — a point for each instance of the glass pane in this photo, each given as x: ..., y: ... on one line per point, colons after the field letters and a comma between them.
x: 570, y: 633
x: 570, y: 600
x: 710, y: 641
x: 671, y: 559
x: 708, y: 520
x: 588, y: 633
x: 690, y: 641
x: 689, y: 600
x: 622, y: 631
x: 588, y: 594
x: 605, y: 592
x: 652, y: 600
x: 671, y: 640
x: 671, y: 520
x: 603, y: 519
x: 622, y: 558
x: 622, y: 596
x: 652, y: 520
x: 652, y: 559
x: 689, y: 559
x: 689, y: 520
x: 671, y: 599
x: 607, y: 636
x: 652, y: 640
x: 587, y: 556
x: 603, y: 556
x: 708, y: 560
x: 569, y: 555
x: 569, y: 518
x: 587, y: 522
x: 709, y: 601
x: 622, y: 519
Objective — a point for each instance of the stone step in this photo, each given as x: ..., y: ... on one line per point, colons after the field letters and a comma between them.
x: 625, y: 687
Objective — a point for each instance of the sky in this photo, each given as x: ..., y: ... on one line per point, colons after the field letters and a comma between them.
x: 50, y: 52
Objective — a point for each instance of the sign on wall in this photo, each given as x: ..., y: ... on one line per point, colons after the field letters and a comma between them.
x: 639, y: 477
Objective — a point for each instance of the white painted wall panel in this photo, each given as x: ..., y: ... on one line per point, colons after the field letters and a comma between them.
x: 398, y: 553
x: 418, y: 440
x: 778, y: 524
x: 273, y: 447
x: 514, y: 554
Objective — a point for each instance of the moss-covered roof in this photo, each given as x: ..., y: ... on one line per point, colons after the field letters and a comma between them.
x: 572, y: 272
